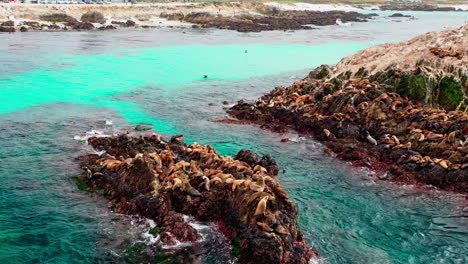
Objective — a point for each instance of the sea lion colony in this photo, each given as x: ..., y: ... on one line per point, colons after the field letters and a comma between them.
x: 162, y: 180
x: 362, y: 122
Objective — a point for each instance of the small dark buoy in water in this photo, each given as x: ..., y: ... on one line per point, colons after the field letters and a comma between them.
x: 245, y: 51
x: 205, y: 76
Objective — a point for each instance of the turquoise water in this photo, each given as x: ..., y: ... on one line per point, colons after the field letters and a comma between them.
x: 54, y: 86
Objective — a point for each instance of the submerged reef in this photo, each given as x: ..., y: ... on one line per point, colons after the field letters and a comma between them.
x: 406, y: 121
x: 165, y: 180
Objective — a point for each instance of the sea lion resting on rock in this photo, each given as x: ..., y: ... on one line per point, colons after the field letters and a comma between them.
x: 161, y: 180
x: 365, y: 124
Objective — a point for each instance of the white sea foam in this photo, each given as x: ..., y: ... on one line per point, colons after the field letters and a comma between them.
x: 149, y: 238
x: 318, y: 260
x: 341, y: 23
x: 90, y: 134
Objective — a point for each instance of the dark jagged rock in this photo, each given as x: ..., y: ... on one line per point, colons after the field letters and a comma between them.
x: 93, y: 17
x: 32, y: 25
x: 163, y: 181
x: 416, y: 7
x: 130, y: 23
x: 248, y: 156
x: 59, y: 18
x: 398, y: 15
x: 23, y: 29
x: 7, y: 29
x: 108, y: 27
x: 281, y: 20
x: 8, y: 23
x: 54, y: 26
x: 82, y: 26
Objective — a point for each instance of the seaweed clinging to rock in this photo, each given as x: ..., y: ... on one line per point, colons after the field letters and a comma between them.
x: 164, y: 180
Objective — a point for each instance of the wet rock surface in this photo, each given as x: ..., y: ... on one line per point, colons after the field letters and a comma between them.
x: 281, y: 20
x: 165, y: 180
x: 370, y: 125
x: 398, y: 15
x: 7, y: 29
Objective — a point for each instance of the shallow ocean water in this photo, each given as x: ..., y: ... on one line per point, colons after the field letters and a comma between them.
x: 57, y: 85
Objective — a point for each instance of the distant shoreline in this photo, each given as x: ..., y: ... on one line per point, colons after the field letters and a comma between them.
x: 30, y: 16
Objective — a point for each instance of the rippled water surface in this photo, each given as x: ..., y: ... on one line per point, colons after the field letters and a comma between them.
x: 54, y: 86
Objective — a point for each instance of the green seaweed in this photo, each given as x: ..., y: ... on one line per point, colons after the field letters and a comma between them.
x: 323, y: 73
x: 450, y: 93
x: 80, y: 181
x: 236, y: 247
x: 336, y: 82
x: 155, y: 230
x: 413, y: 86
x: 362, y: 72
x: 115, y: 206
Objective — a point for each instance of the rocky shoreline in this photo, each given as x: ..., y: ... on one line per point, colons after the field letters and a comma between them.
x: 268, y: 19
x: 165, y: 180
x: 272, y: 20
x: 242, y: 17
x: 418, y: 7
x: 407, y: 123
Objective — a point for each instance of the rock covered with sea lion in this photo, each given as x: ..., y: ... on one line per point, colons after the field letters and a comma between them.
x: 163, y: 181
x: 370, y: 116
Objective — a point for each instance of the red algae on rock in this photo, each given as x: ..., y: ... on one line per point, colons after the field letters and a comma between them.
x: 163, y: 181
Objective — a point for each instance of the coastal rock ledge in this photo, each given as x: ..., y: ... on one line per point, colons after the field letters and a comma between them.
x: 398, y: 109
x: 165, y: 180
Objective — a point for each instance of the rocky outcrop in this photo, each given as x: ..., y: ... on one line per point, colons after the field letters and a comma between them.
x: 7, y: 29
x: 280, y: 20
x: 382, y: 116
x: 163, y: 181
x: 58, y: 17
x: 93, y: 17
x: 416, y: 7
x: 398, y: 15
x: 431, y: 69
x: 82, y: 26
x: 128, y: 23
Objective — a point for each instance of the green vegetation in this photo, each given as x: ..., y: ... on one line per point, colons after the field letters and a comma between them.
x: 323, y: 73
x: 155, y: 230
x: 80, y: 181
x: 236, y: 247
x: 362, y: 72
x: 450, y: 93
x: 58, y: 18
x: 413, y: 86
x: 115, y: 206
